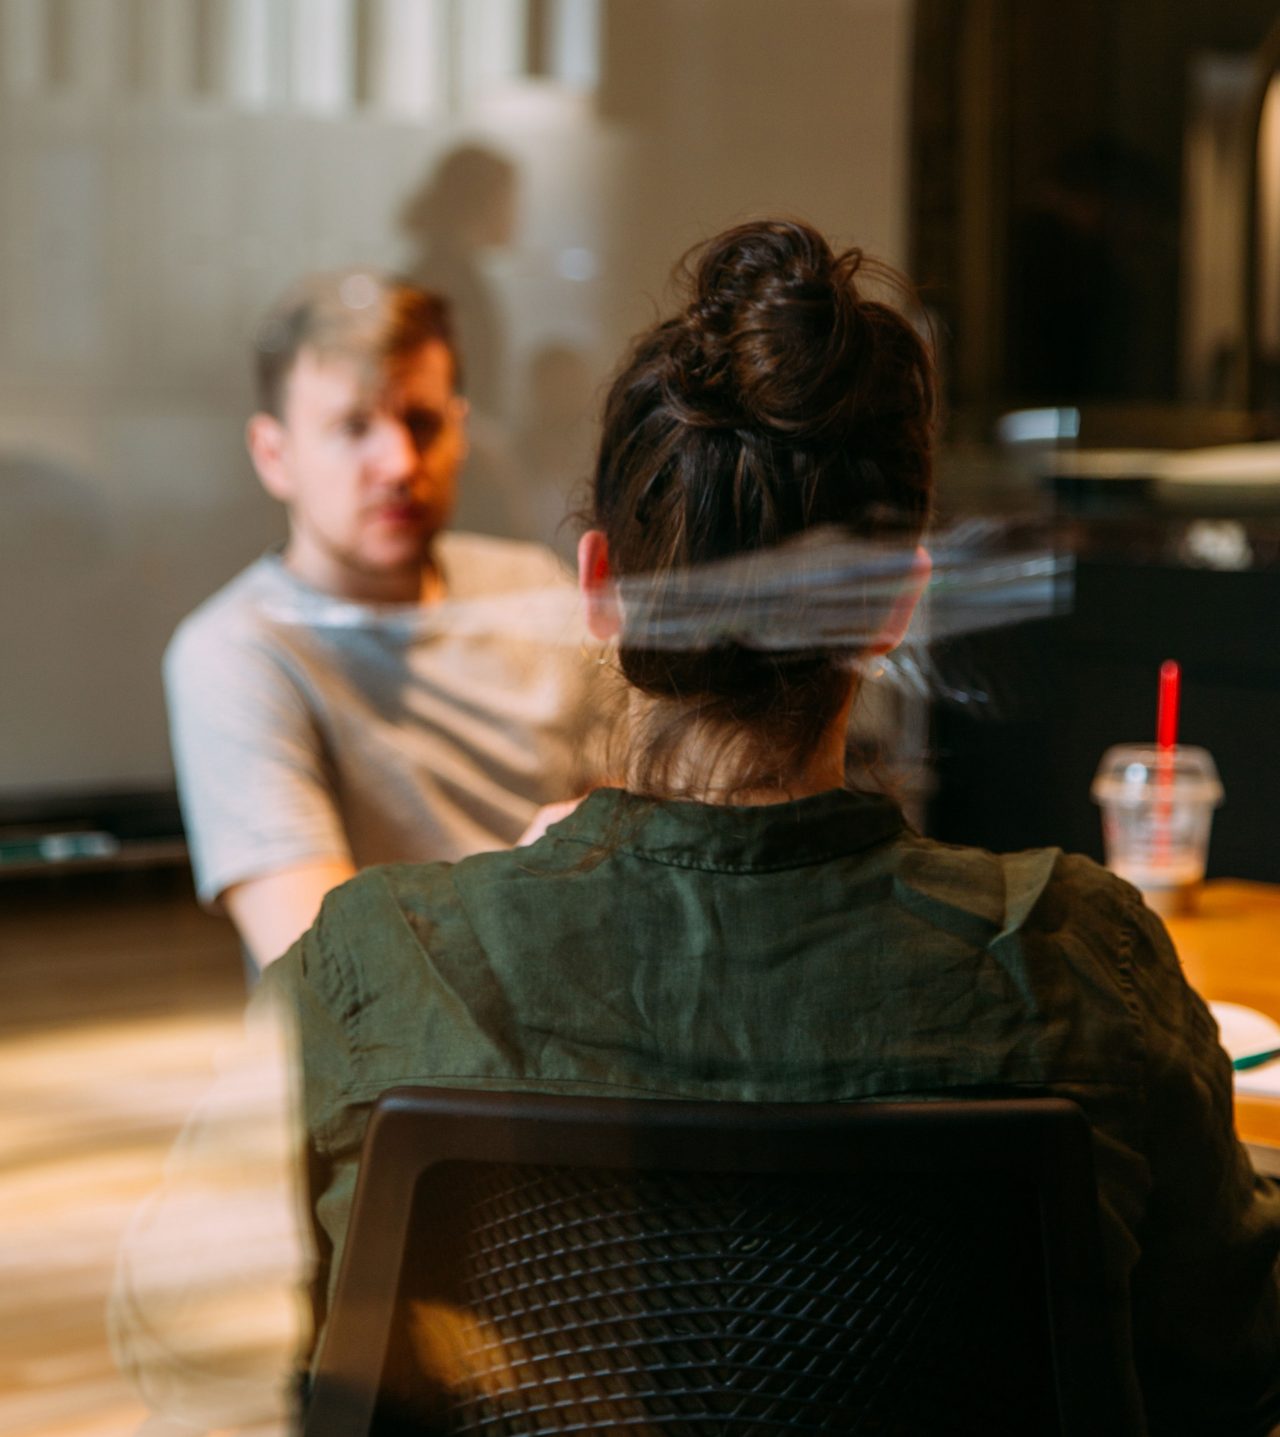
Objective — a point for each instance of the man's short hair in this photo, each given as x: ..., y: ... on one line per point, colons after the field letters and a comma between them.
x: 357, y: 314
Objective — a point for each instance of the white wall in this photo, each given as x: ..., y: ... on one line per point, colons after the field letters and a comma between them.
x: 744, y: 107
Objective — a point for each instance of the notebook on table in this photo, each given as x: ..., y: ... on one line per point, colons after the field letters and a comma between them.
x: 1252, y: 1042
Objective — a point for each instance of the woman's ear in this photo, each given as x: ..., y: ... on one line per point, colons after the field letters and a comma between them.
x: 898, y: 620
x: 598, y: 587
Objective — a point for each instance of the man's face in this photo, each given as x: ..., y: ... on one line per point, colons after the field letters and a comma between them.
x: 367, y: 465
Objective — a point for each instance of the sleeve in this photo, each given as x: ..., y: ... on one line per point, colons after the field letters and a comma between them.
x: 253, y: 778
x: 1206, y: 1290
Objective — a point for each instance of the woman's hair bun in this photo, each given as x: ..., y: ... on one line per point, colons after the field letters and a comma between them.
x: 770, y: 336
x: 780, y: 401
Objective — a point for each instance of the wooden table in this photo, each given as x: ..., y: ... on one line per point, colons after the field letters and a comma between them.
x: 1230, y: 950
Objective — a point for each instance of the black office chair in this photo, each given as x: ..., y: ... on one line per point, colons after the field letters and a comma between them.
x: 522, y: 1264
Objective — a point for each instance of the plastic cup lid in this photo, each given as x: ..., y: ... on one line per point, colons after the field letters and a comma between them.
x: 1129, y: 772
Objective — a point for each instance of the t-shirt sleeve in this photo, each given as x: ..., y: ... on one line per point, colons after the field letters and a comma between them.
x: 1206, y: 1291
x: 252, y: 773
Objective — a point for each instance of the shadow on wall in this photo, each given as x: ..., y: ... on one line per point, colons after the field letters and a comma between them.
x: 531, y: 440
x: 467, y: 204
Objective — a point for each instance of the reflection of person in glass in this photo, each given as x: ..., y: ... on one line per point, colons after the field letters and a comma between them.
x: 738, y: 922
x: 467, y: 205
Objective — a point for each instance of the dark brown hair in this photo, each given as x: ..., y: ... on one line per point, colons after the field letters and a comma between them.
x: 782, y: 399
x: 374, y: 319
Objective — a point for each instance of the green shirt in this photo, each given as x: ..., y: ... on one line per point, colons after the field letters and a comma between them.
x: 818, y: 951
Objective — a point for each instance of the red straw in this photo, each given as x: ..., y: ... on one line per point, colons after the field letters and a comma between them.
x: 1167, y: 707
x: 1166, y: 742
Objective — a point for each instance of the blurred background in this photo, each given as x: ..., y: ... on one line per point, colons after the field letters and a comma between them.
x: 1087, y: 194
x: 1089, y: 200
x: 167, y: 168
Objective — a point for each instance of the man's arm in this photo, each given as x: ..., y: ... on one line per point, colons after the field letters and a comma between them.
x: 271, y: 912
x: 265, y: 833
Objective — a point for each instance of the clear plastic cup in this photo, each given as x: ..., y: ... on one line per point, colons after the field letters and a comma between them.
x: 1157, y: 806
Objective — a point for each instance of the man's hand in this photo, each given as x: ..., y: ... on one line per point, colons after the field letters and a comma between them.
x: 271, y: 912
x: 548, y: 814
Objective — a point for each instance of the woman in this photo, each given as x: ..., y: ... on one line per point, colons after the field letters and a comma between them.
x: 735, y: 922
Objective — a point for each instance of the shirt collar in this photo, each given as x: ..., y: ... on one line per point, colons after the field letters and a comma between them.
x: 728, y: 838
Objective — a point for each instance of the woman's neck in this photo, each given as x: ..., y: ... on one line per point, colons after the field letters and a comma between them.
x: 712, y: 766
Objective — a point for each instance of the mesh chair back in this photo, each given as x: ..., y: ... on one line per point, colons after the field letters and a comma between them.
x: 524, y: 1265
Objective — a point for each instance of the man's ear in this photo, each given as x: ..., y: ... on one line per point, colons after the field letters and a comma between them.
x: 598, y: 587
x: 268, y: 441
x: 898, y: 620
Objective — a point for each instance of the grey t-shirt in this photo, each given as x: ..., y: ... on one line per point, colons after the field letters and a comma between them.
x: 306, y: 727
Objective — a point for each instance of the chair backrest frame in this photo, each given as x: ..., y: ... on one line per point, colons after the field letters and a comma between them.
x: 1043, y: 1140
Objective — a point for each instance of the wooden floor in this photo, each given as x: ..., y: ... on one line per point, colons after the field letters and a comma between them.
x: 115, y: 994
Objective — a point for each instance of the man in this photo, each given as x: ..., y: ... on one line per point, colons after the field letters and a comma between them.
x: 378, y: 690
